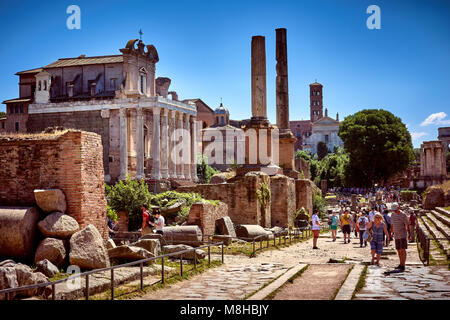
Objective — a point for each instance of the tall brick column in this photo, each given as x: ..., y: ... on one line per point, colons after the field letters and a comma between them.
x: 123, y: 143
x: 156, y: 143
x: 164, y: 145
x: 282, y: 92
x: 259, y: 103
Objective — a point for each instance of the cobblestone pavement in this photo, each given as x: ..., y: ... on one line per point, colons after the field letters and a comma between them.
x: 229, y: 282
x: 241, y: 276
x: 416, y: 283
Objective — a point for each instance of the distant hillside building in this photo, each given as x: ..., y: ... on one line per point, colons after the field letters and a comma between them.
x: 319, y: 128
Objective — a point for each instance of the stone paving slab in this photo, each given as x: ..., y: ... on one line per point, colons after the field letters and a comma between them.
x: 347, y: 289
x: 416, y: 283
x: 228, y: 282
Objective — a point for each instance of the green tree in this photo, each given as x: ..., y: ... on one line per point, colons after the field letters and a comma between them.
x: 322, y: 150
x: 2, y: 114
x: 302, y: 154
x: 205, y: 171
x: 379, y: 146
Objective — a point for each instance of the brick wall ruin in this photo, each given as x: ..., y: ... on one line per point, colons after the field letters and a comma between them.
x: 304, y: 195
x: 240, y: 196
x: 69, y: 160
x: 205, y: 215
x: 283, y: 205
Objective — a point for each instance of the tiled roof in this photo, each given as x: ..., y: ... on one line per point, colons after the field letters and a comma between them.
x: 315, y: 84
x: 35, y: 70
x: 81, y: 61
x: 17, y: 100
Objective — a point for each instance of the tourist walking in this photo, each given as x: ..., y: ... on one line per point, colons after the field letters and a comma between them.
x: 378, y: 228
x: 315, y: 228
x: 388, y: 222
x: 362, y: 223
x: 412, y: 226
x: 346, y: 221
x: 145, y: 220
x: 334, y: 225
x: 400, y: 227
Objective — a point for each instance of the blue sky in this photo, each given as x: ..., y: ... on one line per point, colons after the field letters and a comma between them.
x: 204, y: 47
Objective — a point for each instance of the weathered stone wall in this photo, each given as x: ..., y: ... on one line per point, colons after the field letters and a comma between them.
x: 301, y: 165
x: 240, y: 196
x: 283, y: 205
x: 205, y: 215
x: 70, y: 161
x: 304, y: 195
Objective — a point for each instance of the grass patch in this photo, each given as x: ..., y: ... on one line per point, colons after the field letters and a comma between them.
x: 361, y: 281
x: 340, y: 286
x: 236, y: 248
x: 130, y: 291
x: 290, y: 281
x: 59, y: 276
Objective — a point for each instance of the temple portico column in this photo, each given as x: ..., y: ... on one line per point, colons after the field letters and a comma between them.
x: 156, y: 144
x: 259, y: 105
x: 172, y: 151
x: 194, y: 148
x: 429, y: 162
x: 180, y: 144
x: 139, y: 144
x: 164, y: 145
x: 123, y: 143
x: 187, y: 157
x: 438, y: 166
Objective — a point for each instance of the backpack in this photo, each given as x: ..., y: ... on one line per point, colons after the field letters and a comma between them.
x: 330, y: 221
x: 362, y: 223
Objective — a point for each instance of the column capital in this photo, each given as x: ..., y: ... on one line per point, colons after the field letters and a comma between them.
x: 122, y: 111
x: 173, y: 113
x: 139, y: 111
x: 156, y: 110
x: 165, y: 112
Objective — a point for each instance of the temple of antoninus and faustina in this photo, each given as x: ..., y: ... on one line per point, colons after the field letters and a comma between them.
x: 118, y: 97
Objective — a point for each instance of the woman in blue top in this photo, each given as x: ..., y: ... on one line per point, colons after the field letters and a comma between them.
x: 334, y: 224
x: 378, y: 228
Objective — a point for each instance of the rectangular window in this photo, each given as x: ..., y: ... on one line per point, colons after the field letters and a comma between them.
x: 11, y: 109
x: 45, y: 85
x: 16, y: 109
x: 39, y: 85
x: 326, y: 138
x: 21, y: 108
x: 3, y: 125
x: 17, y: 127
x: 113, y: 83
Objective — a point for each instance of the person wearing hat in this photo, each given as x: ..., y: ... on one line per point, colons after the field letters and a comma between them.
x: 400, y: 228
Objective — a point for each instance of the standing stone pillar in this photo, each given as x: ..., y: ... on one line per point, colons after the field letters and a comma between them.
x: 156, y: 143
x: 164, y: 145
x: 187, y: 157
x: 282, y: 92
x: 173, y: 154
x: 123, y: 143
x: 259, y: 103
x: 180, y: 150
x: 139, y: 143
x: 429, y: 162
x: 194, y: 148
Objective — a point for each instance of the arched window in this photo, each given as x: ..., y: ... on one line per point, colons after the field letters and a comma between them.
x: 143, y: 80
x: 39, y: 85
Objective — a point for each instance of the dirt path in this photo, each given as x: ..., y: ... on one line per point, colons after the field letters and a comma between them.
x: 318, y: 282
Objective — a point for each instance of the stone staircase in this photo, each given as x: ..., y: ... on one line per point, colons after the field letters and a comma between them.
x: 436, y: 224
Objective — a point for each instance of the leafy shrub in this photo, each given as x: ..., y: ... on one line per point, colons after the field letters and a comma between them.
x: 205, y: 171
x: 320, y: 204
x: 110, y: 213
x: 407, y: 195
x: 128, y: 195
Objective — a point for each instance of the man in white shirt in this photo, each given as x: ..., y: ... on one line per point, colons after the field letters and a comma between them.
x: 159, y: 222
x: 315, y: 228
x: 371, y: 214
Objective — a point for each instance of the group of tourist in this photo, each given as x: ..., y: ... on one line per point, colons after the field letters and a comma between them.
x: 374, y: 225
x: 381, y: 193
x: 155, y: 220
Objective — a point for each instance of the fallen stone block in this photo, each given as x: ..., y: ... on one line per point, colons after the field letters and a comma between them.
x: 177, y: 206
x: 26, y: 277
x: 47, y: 268
x: 190, y: 255
x: 58, y: 225
x: 8, y: 279
x: 129, y: 253
x: 50, y: 200
x: 110, y: 244
x: 189, y: 235
x: 151, y: 245
x: 250, y: 231
x: 222, y: 238
x: 18, y: 227
x: 87, y: 249
x: 225, y: 226
x: 54, y: 250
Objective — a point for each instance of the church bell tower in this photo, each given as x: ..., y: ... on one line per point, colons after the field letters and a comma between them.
x: 316, y: 101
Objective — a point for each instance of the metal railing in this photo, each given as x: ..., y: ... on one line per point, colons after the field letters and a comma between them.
x: 140, y: 262
x: 424, y: 242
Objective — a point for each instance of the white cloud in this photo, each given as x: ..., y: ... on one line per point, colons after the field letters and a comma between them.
x: 417, y: 135
x: 436, y: 119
